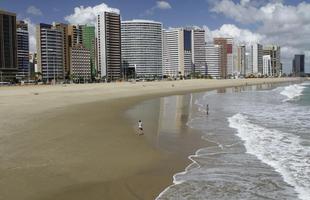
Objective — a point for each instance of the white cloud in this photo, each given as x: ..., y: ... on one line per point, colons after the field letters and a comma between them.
x: 32, y: 35
x: 32, y: 10
x: 163, y: 5
x: 160, y: 5
x: 88, y: 15
x: 285, y: 25
x: 243, y: 36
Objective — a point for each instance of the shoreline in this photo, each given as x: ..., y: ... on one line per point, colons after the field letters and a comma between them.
x: 43, y: 148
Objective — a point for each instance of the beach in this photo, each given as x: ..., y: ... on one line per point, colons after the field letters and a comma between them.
x: 77, y: 142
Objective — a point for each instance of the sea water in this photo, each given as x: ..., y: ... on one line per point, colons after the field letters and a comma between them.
x: 261, y: 146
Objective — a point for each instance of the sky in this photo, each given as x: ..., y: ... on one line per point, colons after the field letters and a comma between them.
x: 282, y: 22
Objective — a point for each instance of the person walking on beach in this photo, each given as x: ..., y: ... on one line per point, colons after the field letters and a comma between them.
x: 140, y: 127
x: 207, y: 109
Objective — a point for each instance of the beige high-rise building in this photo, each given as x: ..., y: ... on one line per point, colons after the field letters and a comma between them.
x: 108, y: 33
x: 66, y: 56
x: 241, y: 60
x: 177, y: 52
x: 75, y: 35
x: 226, y: 55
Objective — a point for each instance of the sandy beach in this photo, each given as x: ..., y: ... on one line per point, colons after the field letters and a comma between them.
x: 74, y: 141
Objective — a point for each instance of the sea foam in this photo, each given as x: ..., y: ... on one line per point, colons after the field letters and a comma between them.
x: 280, y: 150
x: 292, y: 91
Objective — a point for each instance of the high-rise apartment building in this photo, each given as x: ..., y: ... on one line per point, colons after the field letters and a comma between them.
x: 226, y: 56
x: 8, y: 46
x: 275, y: 54
x: 257, y: 58
x: 267, y: 65
x: 199, y: 51
x: 108, y: 32
x: 248, y: 61
x: 64, y: 28
x: 23, y: 51
x: 75, y: 35
x: 89, y: 42
x: 299, y: 65
x: 213, y: 60
x: 177, y: 52
x: 142, y: 47
x: 50, y: 52
x: 80, y: 63
x: 241, y: 60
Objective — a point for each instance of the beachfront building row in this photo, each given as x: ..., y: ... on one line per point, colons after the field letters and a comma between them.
x: 138, y: 47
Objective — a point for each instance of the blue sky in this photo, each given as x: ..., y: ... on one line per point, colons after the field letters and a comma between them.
x: 265, y: 21
x: 185, y: 12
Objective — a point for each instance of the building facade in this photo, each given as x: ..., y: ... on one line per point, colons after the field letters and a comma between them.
x: 108, y: 32
x: 177, y: 52
x: 213, y: 60
x: 267, y: 65
x: 299, y: 65
x: 24, y: 70
x: 50, y: 52
x: 275, y: 54
x: 142, y: 48
x: 240, y: 68
x: 64, y: 28
x: 199, y: 51
x: 89, y: 42
x: 8, y: 46
x: 257, y: 59
x: 80, y: 63
x: 226, y: 56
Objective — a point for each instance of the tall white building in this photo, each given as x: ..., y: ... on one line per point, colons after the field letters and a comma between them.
x: 177, y: 52
x: 199, y: 51
x: 108, y: 34
x: 267, y: 70
x: 213, y: 60
x: 257, y: 58
x: 142, y: 47
x: 275, y: 54
x: 248, y: 62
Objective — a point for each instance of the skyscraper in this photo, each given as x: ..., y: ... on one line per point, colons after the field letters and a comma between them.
x: 213, y: 60
x: 177, y: 52
x: 8, y: 46
x: 199, y: 51
x: 142, y: 47
x: 23, y: 51
x: 249, y: 67
x: 226, y: 55
x: 89, y: 42
x: 50, y: 52
x: 275, y: 54
x: 108, y: 30
x: 257, y: 58
x: 299, y: 65
x: 241, y: 60
x: 267, y: 65
x: 64, y: 28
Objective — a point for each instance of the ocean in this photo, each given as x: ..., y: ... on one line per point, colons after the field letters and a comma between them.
x: 261, y: 137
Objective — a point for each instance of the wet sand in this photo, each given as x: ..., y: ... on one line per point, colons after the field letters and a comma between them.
x: 75, y: 142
